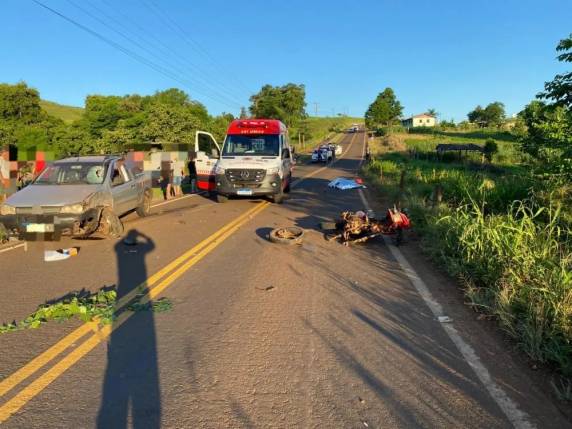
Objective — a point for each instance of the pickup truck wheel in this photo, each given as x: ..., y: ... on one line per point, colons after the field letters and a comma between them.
x: 110, y: 225
x: 145, y: 208
x: 220, y: 198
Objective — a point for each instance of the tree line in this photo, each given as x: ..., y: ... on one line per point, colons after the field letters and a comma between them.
x: 111, y: 124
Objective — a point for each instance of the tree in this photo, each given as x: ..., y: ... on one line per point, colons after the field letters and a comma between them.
x: 243, y: 113
x: 549, y: 131
x: 20, y: 103
x: 560, y: 88
x: 287, y: 103
x: 433, y: 112
x: 219, y: 125
x: 490, y: 149
x: 447, y: 124
x: 385, y: 110
x: 492, y: 115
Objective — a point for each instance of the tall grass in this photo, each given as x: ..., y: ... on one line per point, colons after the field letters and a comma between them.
x: 504, y: 234
x: 516, y: 266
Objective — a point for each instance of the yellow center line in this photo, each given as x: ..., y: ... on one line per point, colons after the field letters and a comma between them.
x: 184, y: 262
x: 44, y: 358
x: 38, y: 385
x: 313, y: 173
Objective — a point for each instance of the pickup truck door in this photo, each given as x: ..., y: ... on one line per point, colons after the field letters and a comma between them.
x: 207, y: 154
x: 123, y: 189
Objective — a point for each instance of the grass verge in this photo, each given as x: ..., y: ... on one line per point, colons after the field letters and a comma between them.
x: 503, y: 232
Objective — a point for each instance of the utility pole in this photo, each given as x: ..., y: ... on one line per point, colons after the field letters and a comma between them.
x: 316, y: 108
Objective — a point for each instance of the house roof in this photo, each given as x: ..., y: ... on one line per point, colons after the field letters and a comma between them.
x: 422, y: 115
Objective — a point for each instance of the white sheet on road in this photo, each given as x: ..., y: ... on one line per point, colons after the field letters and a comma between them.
x: 344, y: 183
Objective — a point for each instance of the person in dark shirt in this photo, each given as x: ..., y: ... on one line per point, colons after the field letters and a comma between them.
x: 192, y: 172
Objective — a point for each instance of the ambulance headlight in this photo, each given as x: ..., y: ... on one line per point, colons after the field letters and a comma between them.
x: 272, y: 170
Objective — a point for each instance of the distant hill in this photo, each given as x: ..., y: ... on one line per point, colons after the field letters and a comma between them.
x: 66, y: 113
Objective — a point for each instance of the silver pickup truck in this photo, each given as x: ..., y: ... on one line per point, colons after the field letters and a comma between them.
x: 78, y: 196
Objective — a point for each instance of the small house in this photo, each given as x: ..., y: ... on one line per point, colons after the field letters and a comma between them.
x: 423, y: 120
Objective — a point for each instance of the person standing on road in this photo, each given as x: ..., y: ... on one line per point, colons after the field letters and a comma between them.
x: 169, y: 180
x: 178, y: 173
x: 192, y: 172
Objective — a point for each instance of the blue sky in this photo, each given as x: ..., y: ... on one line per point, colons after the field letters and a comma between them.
x: 447, y: 54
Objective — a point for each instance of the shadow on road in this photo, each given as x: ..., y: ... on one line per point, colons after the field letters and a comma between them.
x: 131, y: 392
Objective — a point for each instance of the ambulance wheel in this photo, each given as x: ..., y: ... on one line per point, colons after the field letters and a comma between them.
x: 287, y: 188
x: 278, y: 198
x: 220, y: 198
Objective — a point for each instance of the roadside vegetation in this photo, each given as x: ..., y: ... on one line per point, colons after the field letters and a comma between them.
x: 169, y: 119
x: 500, y: 220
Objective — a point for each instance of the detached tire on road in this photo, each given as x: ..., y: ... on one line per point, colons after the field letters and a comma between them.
x: 145, y: 208
x: 290, y: 235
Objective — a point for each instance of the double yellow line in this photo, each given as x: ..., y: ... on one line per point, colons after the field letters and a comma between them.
x: 152, y: 287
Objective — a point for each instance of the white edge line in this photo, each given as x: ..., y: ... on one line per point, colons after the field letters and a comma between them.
x: 517, y: 417
x: 13, y: 247
x: 174, y: 200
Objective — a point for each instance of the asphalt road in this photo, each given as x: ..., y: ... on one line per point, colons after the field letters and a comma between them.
x: 260, y: 335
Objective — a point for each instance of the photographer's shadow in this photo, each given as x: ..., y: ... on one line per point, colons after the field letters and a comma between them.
x: 131, y: 385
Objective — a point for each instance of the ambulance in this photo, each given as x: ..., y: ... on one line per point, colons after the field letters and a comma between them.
x: 256, y: 161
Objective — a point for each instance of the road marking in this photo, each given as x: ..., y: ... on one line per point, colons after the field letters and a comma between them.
x: 195, y: 254
x: 13, y: 247
x: 516, y: 416
x: 313, y: 173
x: 38, y: 385
x: 174, y: 200
x: 50, y: 354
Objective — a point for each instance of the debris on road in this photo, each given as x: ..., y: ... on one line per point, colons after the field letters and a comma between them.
x: 60, y: 254
x: 159, y: 306
x: 84, y: 305
x: 344, y: 183
x: 265, y: 288
x: 288, y: 235
x: 358, y: 227
x: 444, y: 319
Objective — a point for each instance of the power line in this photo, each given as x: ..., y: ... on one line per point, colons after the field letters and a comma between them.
x: 176, y: 56
x: 126, y: 51
x: 222, y: 97
x: 190, y: 41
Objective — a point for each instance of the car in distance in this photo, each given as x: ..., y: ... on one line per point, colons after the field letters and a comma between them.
x: 77, y: 196
x: 322, y: 154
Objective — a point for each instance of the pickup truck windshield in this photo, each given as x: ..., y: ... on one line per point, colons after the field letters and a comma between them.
x: 70, y: 173
x: 251, y: 145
